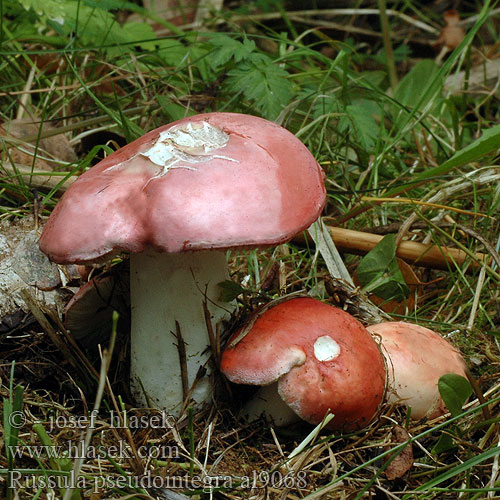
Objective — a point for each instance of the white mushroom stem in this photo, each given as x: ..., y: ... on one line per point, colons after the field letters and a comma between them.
x: 165, y: 289
x: 269, y: 403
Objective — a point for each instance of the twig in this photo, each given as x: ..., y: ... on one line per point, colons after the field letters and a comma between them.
x: 433, y: 256
x: 210, y: 332
x: 54, y: 336
x: 473, y: 19
x: 423, y: 203
x: 181, y: 349
x: 479, y: 394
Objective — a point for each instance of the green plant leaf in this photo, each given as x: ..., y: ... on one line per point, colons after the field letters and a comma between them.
x: 489, y: 142
x: 360, y: 119
x: 174, y: 110
x: 225, y: 48
x: 454, y: 390
x: 410, y: 89
x: 171, y: 51
x: 262, y: 82
x: 142, y: 34
x: 46, y: 9
x: 444, y: 443
x: 455, y: 472
x: 229, y: 290
x: 379, y: 273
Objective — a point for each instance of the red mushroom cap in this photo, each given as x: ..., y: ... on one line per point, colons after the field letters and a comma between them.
x: 416, y: 358
x: 323, y: 357
x: 211, y: 181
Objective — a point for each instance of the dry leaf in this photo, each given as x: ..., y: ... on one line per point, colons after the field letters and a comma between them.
x: 403, y: 462
x: 52, y: 148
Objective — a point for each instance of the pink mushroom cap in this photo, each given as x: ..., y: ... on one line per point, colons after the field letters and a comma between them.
x: 211, y: 181
x: 323, y: 358
x: 416, y: 359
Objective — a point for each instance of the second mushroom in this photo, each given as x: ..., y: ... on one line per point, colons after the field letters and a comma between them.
x: 318, y: 358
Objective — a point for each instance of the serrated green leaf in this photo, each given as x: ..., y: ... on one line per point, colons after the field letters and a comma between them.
x: 360, y: 120
x: 327, y: 104
x: 229, y: 290
x: 379, y: 273
x: 415, y: 82
x: 455, y: 390
x: 263, y: 83
x: 93, y: 26
x: 46, y: 9
x: 224, y: 48
x: 198, y: 55
x: 171, y: 51
x: 142, y: 34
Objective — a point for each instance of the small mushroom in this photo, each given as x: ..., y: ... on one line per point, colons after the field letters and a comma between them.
x: 177, y: 199
x: 416, y: 358
x: 313, y: 356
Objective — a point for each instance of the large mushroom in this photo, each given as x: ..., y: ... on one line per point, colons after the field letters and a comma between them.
x: 176, y: 199
x: 416, y: 359
x: 318, y: 358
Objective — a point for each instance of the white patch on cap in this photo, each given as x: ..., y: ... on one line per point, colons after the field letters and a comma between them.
x: 180, y: 146
x: 326, y: 349
x: 189, y: 144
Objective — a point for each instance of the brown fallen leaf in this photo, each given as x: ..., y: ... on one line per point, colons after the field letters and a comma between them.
x: 50, y: 150
x: 403, y: 462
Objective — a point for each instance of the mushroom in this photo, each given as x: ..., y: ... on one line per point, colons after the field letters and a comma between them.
x: 318, y: 358
x: 416, y: 358
x: 177, y: 199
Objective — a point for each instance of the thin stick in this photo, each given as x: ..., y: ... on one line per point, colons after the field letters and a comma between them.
x: 479, y: 394
x: 433, y: 256
x: 181, y: 349
x: 210, y: 331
